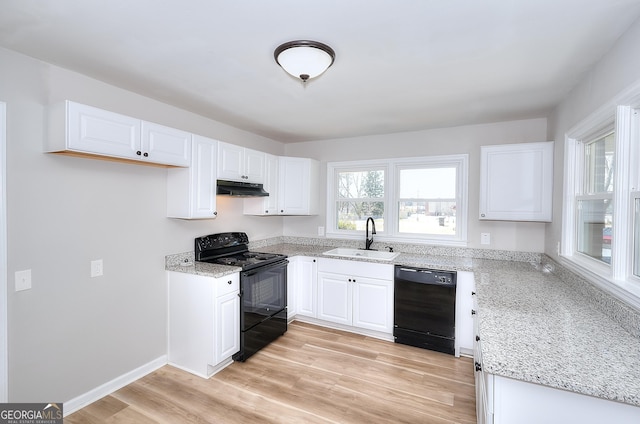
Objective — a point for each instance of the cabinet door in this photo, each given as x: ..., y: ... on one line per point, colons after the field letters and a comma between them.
x: 227, y: 326
x: 307, y: 286
x: 516, y: 182
x: 230, y: 162
x: 464, y: 319
x: 373, y: 304
x: 191, y: 192
x: 165, y: 145
x: 265, y: 205
x: 204, y: 171
x: 334, y: 298
x: 292, y: 287
x: 254, y: 166
x: 294, y: 192
x: 93, y: 130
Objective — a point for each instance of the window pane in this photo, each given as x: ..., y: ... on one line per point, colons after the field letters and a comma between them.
x: 428, y: 183
x: 361, y: 184
x: 422, y: 217
x: 636, y: 240
x: 353, y: 215
x: 599, y: 156
x: 594, y: 228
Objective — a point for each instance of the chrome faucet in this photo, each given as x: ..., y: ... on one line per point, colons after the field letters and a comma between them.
x: 369, y: 241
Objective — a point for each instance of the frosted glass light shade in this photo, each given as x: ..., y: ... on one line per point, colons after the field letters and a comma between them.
x: 304, y: 59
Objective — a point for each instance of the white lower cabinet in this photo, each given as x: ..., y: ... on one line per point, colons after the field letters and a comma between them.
x: 502, y: 400
x: 465, y: 289
x: 204, y: 322
x: 358, y: 294
x: 304, y: 286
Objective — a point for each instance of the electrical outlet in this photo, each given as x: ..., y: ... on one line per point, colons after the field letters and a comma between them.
x: 23, y: 280
x: 96, y: 268
x: 321, y: 231
x: 485, y: 238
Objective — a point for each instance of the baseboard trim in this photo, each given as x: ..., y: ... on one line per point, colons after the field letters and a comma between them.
x: 109, y: 387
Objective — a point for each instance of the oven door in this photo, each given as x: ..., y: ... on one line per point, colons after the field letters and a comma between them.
x: 263, y: 293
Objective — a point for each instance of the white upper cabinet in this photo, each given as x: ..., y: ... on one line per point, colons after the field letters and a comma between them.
x: 292, y: 184
x: 298, y: 188
x: 86, y: 130
x: 516, y: 182
x: 191, y: 192
x: 237, y: 163
x: 266, y: 205
x: 165, y: 145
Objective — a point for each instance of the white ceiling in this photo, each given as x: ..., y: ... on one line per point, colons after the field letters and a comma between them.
x: 401, y: 65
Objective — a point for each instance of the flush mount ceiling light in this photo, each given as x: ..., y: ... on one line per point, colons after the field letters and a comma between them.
x: 304, y: 59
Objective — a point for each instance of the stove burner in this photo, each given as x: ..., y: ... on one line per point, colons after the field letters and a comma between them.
x: 231, y: 249
x: 228, y: 261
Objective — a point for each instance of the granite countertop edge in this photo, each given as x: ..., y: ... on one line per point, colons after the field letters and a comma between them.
x: 558, y: 340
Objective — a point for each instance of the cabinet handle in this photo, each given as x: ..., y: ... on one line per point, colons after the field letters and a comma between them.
x: 267, y: 211
x: 477, y: 337
x: 138, y: 153
x: 473, y: 293
x: 314, y: 260
x: 473, y: 312
x: 229, y: 282
x: 478, y: 366
x: 482, y: 215
x: 215, y: 212
x: 281, y: 210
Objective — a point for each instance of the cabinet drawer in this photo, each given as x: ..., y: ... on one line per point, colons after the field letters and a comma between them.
x: 227, y: 284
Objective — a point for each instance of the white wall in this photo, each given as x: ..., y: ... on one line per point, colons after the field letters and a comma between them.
x: 527, y: 237
x: 71, y: 333
x: 617, y: 70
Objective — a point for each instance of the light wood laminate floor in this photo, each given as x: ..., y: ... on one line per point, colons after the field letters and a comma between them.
x: 310, y: 375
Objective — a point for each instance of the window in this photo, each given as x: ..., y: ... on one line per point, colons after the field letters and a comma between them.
x: 601, y: 217
x: 413, y: 199
x: 595, y: 201
x: 360, y: 194
x: 427, y: 200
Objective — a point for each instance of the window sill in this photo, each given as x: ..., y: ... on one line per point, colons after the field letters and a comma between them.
x: 626, y: 291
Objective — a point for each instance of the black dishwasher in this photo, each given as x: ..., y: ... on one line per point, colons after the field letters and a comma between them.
x: 425, y: 308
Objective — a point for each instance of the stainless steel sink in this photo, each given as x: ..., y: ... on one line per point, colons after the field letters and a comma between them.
x: 361, y: 253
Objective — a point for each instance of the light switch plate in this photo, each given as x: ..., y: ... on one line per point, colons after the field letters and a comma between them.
x: 23, y: 280
x: 485, y: 238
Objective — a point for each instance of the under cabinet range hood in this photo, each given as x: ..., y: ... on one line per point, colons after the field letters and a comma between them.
x: 240, y: 189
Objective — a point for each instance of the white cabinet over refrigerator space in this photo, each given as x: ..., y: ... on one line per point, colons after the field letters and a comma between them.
x: 191, y: 192
x: 82, y: 130
x: 516, y: 182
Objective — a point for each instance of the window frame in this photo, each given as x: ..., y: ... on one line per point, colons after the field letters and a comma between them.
x: 391, y: 197
x: 616, y: 277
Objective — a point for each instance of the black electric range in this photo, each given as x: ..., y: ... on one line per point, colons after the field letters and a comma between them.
x: 232, y: 249
x: 263, y: 288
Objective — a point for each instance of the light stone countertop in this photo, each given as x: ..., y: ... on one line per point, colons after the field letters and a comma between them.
x: 533, y: 326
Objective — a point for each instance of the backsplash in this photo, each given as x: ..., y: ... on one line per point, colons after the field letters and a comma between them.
x: 625, y: 315
x: 418, y: 249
